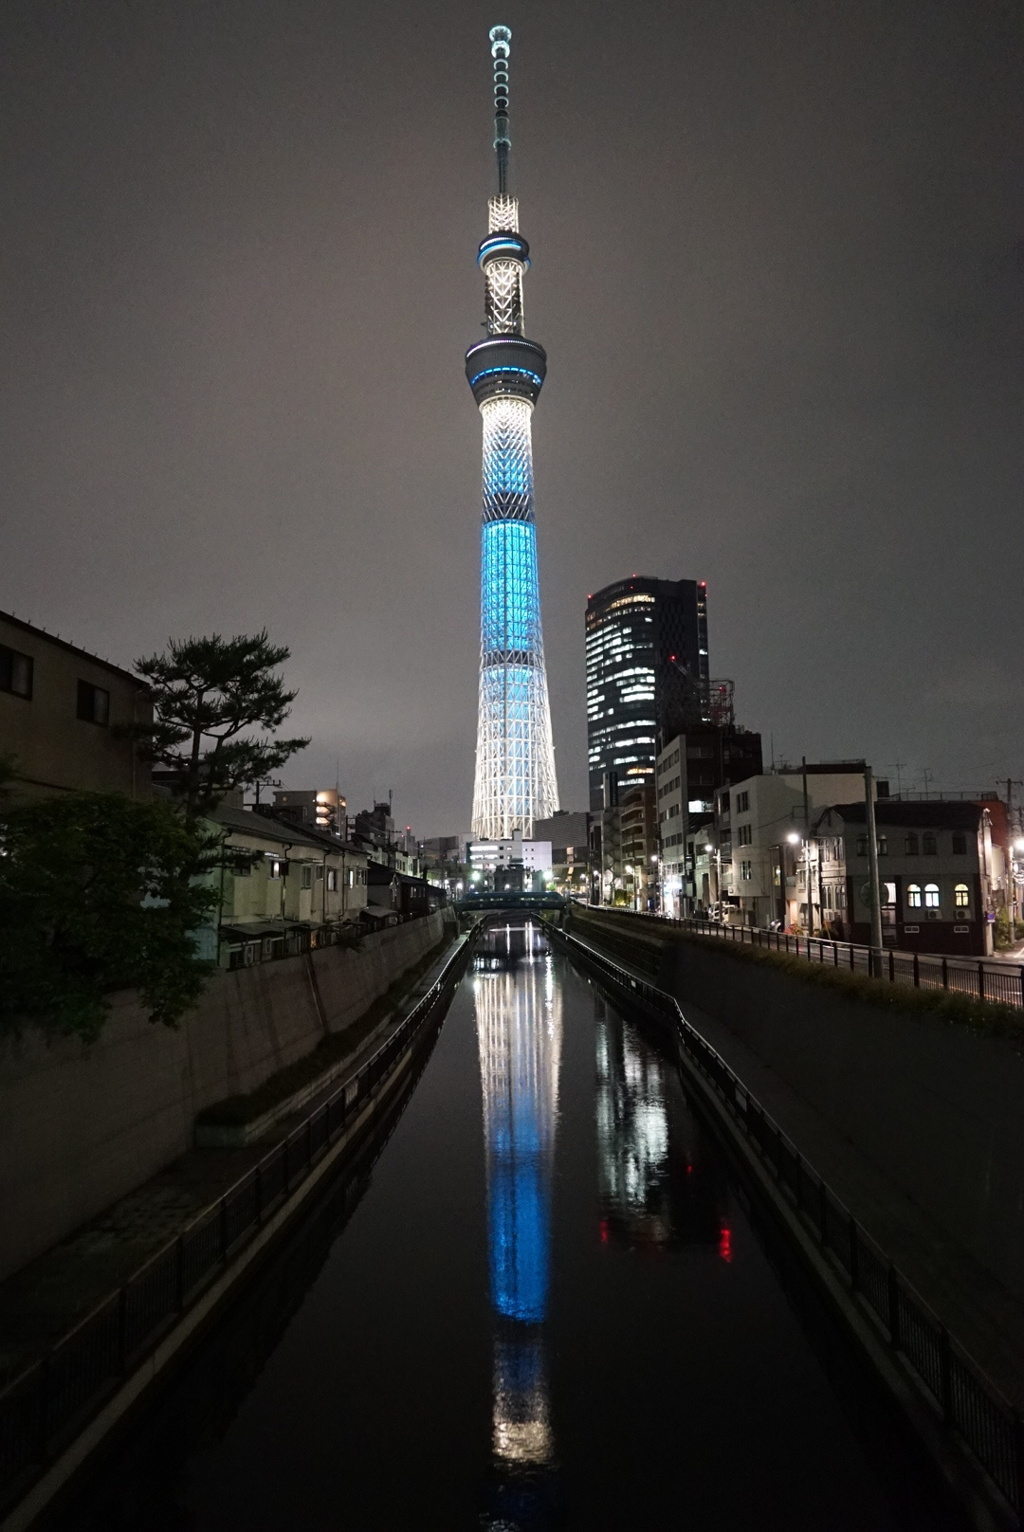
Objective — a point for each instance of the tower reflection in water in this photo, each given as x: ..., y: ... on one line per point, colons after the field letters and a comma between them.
x: 658, y: 1192
x: 519, y: 1031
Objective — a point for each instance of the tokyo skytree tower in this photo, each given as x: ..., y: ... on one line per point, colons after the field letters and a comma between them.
x: 515, y: 762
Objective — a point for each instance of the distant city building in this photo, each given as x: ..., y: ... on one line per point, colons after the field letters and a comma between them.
x: 324, y: 808
x: 511, y: 864
x: 647, y: 673
x: 569, y: 834
x: 60, y: 708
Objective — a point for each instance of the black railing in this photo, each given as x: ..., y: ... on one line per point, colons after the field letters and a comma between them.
x: 950, y: 1380
x: 1001, y: 982
x: 51, y: 1401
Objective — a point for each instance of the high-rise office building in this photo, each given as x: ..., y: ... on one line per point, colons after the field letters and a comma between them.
x: 647, y: 674
x: 515, y: 763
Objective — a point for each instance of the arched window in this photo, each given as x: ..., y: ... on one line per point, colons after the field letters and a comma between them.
x: 931, y: 896
x: 962, y: 896
x: 930, y: 845
x: 914, y: 895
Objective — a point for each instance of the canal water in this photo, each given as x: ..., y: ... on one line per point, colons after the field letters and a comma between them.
x: 544, y: 1305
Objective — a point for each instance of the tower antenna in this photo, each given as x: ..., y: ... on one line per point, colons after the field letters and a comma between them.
x: 501, y: 47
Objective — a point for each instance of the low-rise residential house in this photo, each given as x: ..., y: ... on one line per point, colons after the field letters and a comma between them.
x: 936, y: 869
x: 767, y: 844
x: 61, y: 709
x: 395, y: 896
x: 284, y: 890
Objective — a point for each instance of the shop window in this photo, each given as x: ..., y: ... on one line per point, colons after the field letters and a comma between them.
x: 914, y: 895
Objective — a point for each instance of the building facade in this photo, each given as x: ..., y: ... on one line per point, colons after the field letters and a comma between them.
x: 647, y: 674
x: 60, y: 712
x: 938, y: 875
x: 515, y: 763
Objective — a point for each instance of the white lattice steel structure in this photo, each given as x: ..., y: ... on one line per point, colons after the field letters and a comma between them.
x: 515, y: 762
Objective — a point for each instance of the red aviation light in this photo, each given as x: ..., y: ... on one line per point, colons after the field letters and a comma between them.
x: 725, y: 1245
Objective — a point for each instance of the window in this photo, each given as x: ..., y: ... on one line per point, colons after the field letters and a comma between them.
x: 912, y: 847
x: 914, y: 895
x: 746, y: 871
x: 744, y: 835
x: 929, y: 845
x: 742, y: 802
x: 307, y: 877
x: 275, y: 867
x: 959, y: 843
x: 319, y: 872
x: 93, y: 703
x: 332, y: 880
x: 15, y: 672
x: 862, y: 845
x: 931, y: 896
x: 961, y: 896
x: 883, y: 845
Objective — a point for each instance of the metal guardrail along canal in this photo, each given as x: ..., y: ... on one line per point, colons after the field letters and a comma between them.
x: 46, y: 1406
x: 1001, y: 982
x: 950, y: 1381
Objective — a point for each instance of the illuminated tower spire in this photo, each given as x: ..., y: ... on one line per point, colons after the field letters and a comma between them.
x: 515, y: 763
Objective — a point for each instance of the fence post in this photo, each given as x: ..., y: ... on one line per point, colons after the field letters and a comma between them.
x: 945, y: 974
x: 835, y: 954
x: 892, y: 966
x: 946, y: 1374
x: 917, y: 971
x: 981, y: 981
x: 894, y: 1307
x: 853, y: 959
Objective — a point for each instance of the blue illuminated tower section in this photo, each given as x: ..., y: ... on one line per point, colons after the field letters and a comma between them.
x: 515, y: 762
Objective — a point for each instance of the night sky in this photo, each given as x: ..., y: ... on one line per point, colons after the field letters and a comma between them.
x: 778, y: 272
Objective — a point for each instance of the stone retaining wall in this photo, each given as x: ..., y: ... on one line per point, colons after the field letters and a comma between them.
x: 82, y: 1125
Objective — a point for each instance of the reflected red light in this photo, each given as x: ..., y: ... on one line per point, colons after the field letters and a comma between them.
x: 604, y: 1231
x: 725, y: 1245
x: 689, y: 1170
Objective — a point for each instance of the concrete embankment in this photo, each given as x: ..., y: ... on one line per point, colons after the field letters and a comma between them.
x: 82, y: 1125
x: 916, y: 1123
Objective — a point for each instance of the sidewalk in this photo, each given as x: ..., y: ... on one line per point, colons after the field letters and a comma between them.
x: 49, y: 1296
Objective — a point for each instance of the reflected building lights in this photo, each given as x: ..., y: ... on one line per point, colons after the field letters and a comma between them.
x: 519, y: 1034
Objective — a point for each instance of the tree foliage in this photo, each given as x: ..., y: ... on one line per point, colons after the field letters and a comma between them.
x: 208, y: 695
x: 99, y: 893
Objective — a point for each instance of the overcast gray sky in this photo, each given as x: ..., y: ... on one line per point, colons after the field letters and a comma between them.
x: 777, y: 269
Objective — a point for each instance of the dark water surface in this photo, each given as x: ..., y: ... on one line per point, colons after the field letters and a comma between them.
x: 545, y: 1307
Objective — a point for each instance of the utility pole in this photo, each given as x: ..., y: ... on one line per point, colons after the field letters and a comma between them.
x: 876, y: 887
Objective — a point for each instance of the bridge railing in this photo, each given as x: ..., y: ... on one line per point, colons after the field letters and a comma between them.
x: 50, y: 1402
x: 953, y: 1384
x: 998, y: 981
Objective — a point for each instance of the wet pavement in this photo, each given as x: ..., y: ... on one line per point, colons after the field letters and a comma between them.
x: 546, y: 1304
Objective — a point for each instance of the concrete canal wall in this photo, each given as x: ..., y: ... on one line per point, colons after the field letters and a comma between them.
x: 939, y: 1108
x: 82, y: 1125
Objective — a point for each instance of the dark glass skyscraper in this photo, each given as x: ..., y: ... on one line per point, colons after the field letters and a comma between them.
x: 647, y: 674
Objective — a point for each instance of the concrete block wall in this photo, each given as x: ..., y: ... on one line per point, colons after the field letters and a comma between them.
x: 82, y: 1125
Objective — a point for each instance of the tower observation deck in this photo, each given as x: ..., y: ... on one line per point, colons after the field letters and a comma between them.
x: 515, y: 763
